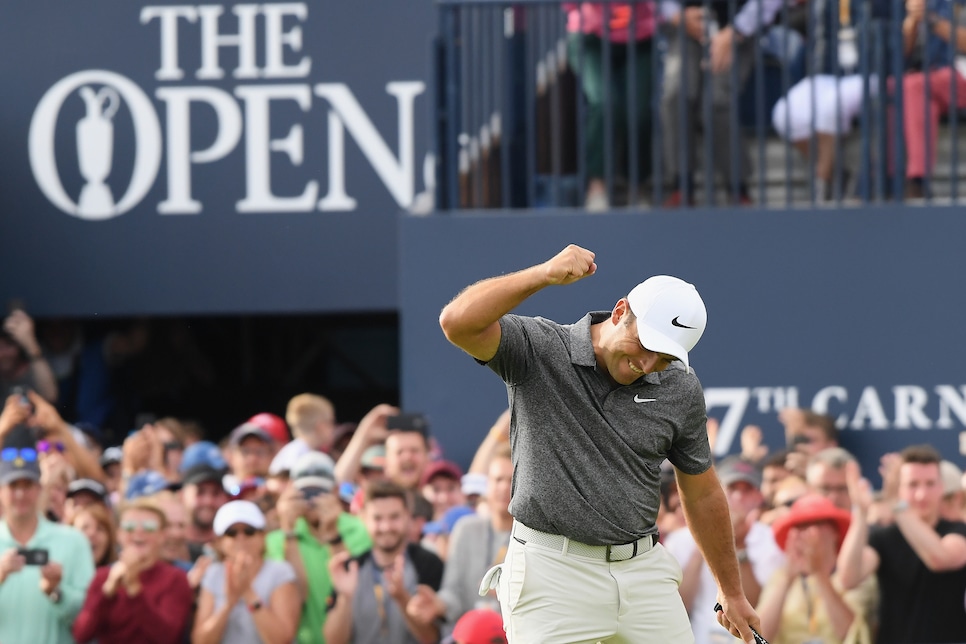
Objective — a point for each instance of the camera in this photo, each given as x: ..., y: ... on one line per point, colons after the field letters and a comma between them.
x: 34, y: 556
x: 408, y: 423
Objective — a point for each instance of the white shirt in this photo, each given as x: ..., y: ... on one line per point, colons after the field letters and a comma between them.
x: 765, y: 556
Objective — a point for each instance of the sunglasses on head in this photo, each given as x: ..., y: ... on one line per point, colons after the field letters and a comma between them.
x: 147, y: 526
x: 10, y: 454
x: 247, y: 530
x: 47, y: 446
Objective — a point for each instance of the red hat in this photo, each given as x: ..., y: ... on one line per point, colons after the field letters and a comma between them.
x: 480, y: 626
x: 441, y: 468
x: 274, y: 425
x: 811, y: 508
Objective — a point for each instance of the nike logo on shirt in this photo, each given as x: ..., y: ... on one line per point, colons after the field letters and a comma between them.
x: 638, y: 399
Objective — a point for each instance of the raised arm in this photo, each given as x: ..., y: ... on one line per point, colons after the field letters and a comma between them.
x: 706, y: 509
x: 472, y: 320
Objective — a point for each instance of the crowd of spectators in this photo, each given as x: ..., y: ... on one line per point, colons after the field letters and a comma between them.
x: 834, y: 65
x: 298, y: 529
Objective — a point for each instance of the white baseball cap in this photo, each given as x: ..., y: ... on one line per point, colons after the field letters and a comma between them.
x: 314, y: 470
x: 234, y: 512
x: 671, y: 316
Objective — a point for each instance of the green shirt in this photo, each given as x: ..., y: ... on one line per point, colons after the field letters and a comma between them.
x: 26, y: 613
x: 315, y: 558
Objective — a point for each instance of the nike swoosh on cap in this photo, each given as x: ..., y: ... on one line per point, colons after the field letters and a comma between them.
x: 683, y: 326
x: 638, y: 399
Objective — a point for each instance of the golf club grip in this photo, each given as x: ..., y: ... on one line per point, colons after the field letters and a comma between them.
x: 758, y: 638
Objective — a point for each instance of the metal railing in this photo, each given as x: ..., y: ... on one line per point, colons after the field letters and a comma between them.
x: 518, y: 89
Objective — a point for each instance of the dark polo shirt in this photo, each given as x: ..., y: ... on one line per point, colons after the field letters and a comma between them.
x: 587, y: 452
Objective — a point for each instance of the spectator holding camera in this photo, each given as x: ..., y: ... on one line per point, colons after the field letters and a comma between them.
x: 140, y: 597
x: 22, y: 362
x: 372, y: 430
x: 313, y: 527
x: 245, y: 598
x: 44, y: 567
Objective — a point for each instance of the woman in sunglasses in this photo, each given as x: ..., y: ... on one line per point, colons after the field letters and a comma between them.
x: 244, y: 597
x: 140, y: 597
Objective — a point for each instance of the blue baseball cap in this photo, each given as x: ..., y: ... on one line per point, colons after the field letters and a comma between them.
x: 145, y: 483
x: 202, y: 453
x: 448, y: 521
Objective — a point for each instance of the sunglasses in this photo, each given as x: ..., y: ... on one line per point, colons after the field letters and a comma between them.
x: 246, y: 486
x: 247, y: 530
x: 47, y: 446
x: 147, y: 526
x: 10, y: 454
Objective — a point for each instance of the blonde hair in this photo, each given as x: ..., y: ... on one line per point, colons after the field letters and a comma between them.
x: 305, y: 410
x: 148, y: 505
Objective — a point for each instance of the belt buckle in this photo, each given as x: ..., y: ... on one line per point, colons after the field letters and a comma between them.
x: 607, y: 550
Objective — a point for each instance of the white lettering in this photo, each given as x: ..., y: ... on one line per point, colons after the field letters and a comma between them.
x: 170, y: 69
x: 276, y: 40
x: 869, y: 408
x: 258, y: 173
x: 910, y: 407
x: 396, y: 173
x: 736, y: 400
x: 951, y: 401
x: 180, y: 157
x: 212, y: 41
x: 820, y: 402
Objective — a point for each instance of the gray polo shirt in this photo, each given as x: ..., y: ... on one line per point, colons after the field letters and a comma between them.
x: 587, y: 452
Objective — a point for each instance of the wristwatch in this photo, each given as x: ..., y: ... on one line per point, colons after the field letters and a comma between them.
x: 742, y: 555
x: 54, y: 595
x: 900, y: 506
x: 291, y: 535
x: 254, y: 606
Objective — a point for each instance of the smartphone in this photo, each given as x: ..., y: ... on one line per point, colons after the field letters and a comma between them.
x: 408, y: 423
x: 15, y: 304
x: 143, y: 419
x: 34, y: 556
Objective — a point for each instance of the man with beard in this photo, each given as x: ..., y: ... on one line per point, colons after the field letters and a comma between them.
x: 372, y: 592
x: 140, y: 597
x: 203, y: 494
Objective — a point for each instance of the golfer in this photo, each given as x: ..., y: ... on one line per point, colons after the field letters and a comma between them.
x: 596, y: 407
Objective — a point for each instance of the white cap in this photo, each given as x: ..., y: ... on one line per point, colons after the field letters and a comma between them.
x: 234, y: 512
x: 951, y: 477
x: 285, y: 460
x: 671, y: 316
x: 473, y: 483
x: 313, y: 470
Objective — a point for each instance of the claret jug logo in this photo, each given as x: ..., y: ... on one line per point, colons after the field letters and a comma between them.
x: 271, y: 71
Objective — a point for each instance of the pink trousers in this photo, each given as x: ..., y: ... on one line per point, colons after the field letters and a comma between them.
x: 920, y: 153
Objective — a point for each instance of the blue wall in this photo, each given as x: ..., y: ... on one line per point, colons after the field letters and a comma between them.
x: 868, y: 301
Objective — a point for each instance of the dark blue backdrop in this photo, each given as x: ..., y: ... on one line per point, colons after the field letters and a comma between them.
x: 868, y: 301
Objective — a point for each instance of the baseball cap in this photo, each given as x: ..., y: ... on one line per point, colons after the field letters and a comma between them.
x: 448, y: 469
x: 285, y: 460
x: 811, y: 508
x: 146, y: 483
x: 245, y: 430
x: 233, y: 512
x: 18, y: 458
x: 111, y: 456
x: 480, y: 626
x: 734, y: 470
x: 314, y: 470
x: 374, y: 458
x: 87, y: 485
x: 202, y: 473
x: 474, y: 483
x: 274, y: 425
x: 671, y: 316
x: 202, y: 453
x: 952, y: 477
